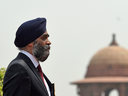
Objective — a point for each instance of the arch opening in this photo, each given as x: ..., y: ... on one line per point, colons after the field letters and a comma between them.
x: 110, y: 92
x: 114, y: 92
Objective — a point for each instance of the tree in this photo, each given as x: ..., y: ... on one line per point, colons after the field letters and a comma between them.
x: 2, y: 72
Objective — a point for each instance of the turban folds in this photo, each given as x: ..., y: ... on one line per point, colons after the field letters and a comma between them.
x: 30, y: 31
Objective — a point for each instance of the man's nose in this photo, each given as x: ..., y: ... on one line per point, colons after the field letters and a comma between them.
x: 48, y: 42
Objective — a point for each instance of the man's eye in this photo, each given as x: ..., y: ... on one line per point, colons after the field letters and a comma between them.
x: 44, y: 38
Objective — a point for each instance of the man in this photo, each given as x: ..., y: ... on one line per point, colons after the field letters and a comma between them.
x: 24, y: 76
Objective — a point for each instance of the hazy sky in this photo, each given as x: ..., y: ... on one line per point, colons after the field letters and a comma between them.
x: 77, y: 28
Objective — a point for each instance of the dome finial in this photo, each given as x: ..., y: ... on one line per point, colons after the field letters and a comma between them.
x: 113, y: 41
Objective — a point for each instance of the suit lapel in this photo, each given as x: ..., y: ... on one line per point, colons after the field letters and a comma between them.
x: 32, y: 67
x: 51, y: 85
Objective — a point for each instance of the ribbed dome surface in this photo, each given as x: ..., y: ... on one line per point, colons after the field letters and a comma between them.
x: 110, y: 56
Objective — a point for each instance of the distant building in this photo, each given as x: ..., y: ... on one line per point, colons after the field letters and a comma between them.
x: 107, y: 70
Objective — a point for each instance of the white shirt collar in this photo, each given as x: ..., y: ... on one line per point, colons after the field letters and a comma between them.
x: 32, y: 58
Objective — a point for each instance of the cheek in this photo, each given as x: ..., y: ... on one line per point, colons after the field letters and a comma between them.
x: 43, y: 43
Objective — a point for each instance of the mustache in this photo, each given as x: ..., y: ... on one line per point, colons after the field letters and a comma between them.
x: 47, y: 47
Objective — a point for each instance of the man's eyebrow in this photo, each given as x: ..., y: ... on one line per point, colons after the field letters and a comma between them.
x: 45, y: 35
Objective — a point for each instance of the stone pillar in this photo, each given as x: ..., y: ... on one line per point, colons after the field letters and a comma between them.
x: 122, y: 90
x: 107, y: 92
x: 96, y: 90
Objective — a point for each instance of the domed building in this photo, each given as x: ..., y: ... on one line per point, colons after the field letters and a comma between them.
x: 107, y: 70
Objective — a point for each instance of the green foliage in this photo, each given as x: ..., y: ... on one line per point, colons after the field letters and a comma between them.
x: 2, y: 72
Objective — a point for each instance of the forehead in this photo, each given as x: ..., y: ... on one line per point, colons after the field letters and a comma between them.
x: 45, y: 32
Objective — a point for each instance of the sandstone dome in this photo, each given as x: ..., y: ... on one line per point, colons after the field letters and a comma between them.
x: 110, y: 56
x: 109, y: 61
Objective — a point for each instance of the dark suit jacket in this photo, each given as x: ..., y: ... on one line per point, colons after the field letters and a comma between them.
x: 22, y: 79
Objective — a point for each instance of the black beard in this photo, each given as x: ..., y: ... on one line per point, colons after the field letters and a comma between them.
x: 39, y: 51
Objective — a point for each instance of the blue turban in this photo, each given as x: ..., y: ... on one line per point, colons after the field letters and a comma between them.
x: 30, y: 31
